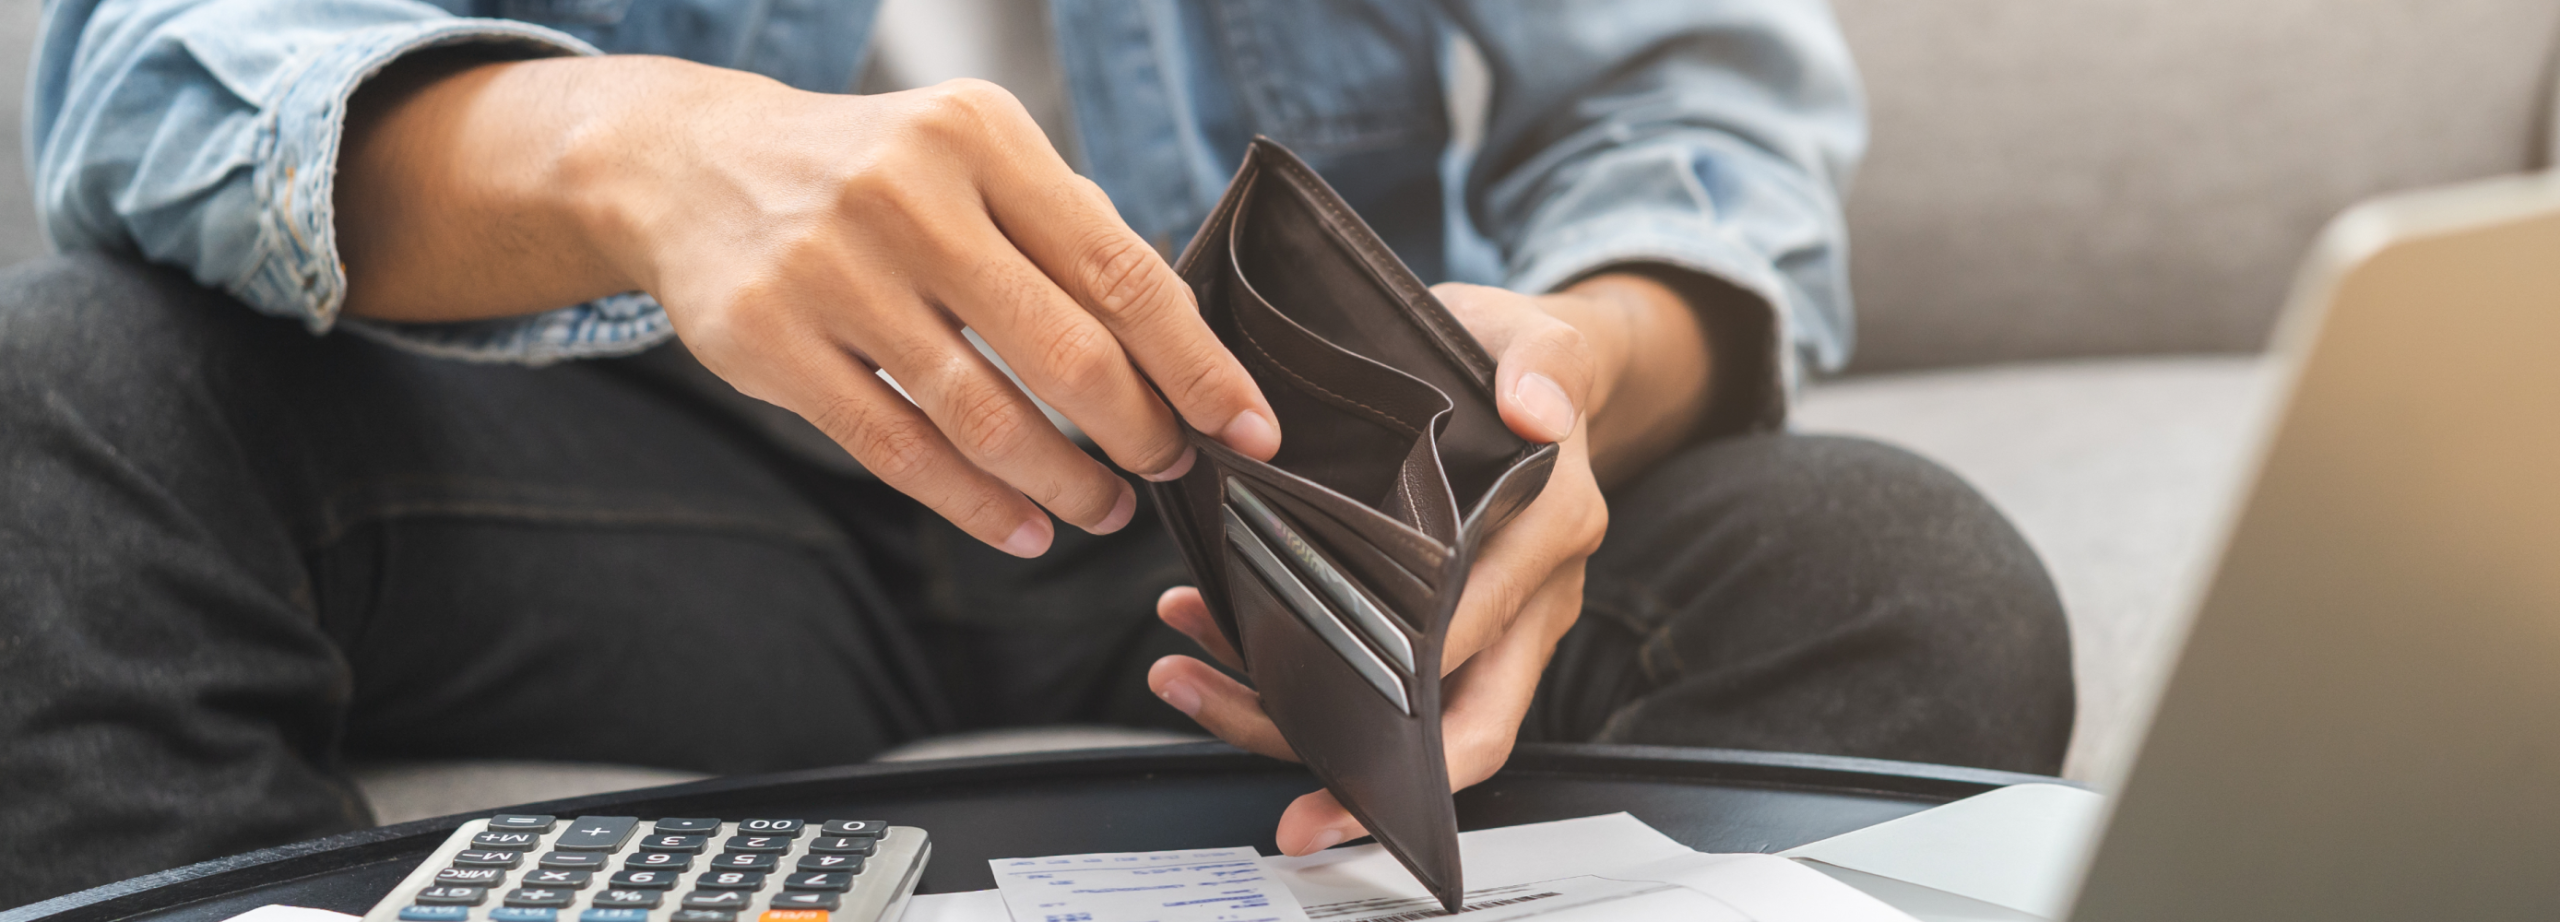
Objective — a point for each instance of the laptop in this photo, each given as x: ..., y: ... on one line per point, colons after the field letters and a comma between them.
x: 2365, y: 721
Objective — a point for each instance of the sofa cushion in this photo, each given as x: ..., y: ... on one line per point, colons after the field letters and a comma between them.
x: 2118, y: 472
x: 2118, y: 176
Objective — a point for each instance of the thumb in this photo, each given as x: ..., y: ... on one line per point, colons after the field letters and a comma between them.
x: 1542, y: 380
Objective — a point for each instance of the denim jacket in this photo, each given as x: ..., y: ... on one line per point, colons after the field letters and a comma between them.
x: 1714, y: 136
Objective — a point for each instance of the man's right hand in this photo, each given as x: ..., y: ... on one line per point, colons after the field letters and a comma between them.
x: 799, y: 241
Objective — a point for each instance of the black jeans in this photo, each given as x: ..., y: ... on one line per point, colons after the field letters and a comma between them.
x: 234, y: 555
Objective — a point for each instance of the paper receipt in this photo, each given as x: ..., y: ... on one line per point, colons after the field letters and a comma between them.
x: 1194, y: 885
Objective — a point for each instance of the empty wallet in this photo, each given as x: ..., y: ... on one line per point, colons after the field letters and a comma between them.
x: 1334, y: 569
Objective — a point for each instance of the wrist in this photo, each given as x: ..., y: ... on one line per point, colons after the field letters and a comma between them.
x: 643, y: 152
x: 1655, y: 370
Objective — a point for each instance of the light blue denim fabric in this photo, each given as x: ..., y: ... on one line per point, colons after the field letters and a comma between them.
x: 1710, y: 135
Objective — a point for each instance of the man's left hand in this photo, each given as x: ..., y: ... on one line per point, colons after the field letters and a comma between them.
x: 1561, y: 359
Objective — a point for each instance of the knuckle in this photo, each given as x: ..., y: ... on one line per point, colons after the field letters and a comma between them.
x: 985, y: 417
x: 969, y: 106
x: 1120, y: 276
x: 1078, y: 359
x: 898, y: 450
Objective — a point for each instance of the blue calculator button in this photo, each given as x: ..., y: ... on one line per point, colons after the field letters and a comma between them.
x: 435, y: 913
x: 614, y: 915
x: 524, y: 914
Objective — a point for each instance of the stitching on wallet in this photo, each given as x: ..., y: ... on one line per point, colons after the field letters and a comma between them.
x: 1293, y: 374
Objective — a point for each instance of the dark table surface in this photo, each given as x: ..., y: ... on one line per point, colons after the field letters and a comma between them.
x: 1143, y: 799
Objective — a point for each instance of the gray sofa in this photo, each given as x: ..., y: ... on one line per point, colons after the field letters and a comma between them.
x: 2071, y: 239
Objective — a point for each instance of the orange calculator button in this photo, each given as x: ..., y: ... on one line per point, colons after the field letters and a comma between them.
x: 793, y: 915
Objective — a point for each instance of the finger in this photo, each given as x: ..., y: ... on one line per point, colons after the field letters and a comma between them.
x: 899, y: 445
x: 1069, y: 229
x: 1543, y: 366
x: 1183, y: 608
x: 990, y: 421
x: 1558, y: 529
x: 1063, y: 354
x: 1482, y: 707
x: 1220, y: 704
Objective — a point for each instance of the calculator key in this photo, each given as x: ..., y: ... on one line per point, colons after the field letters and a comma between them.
x: 789, y: 829
x: 844, y: 845
x: 434, y: 913
x: 703, y: 915
x: 658, y: 861
x: 763, y: 845
x: 452, y: 896
x: 735, y: 861
x: 471, y: 877
x: 850, y: 864
x: 487, y: 859
x: 872, y: 828
x: 597, y: 833
x: 524, y: 914
x: 687, y: 825
x: 728, y: 900
x: 824, y: 880
x: 574, y: 880
x: 793, y: 915
x: 573, y: 861
x: 540, y: 896
x: 662, y: 843
x: 507, y: 841
x: 806, y: 899
x: 649, y: 880
x: 730, y: 880
x: 627, y: 898
x: 614, y: 915
x: 521, y: 822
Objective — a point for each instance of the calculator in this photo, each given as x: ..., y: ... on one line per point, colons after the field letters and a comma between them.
x: 534, y: 868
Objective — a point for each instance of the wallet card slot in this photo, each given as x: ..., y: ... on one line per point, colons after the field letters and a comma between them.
x: 1295, y: 596
x: 1347, y: 597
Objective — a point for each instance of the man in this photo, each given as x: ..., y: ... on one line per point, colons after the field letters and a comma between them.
x: 239, y: 554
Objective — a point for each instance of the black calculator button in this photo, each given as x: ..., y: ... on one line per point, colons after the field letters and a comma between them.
x: 703, y: 915
x: 573, y: 861
x: 554, y: 897
x: 872, y: 828
x: 687, y: 825
x: 730, y: 880
x: 788, y: 829
x: 806, y: 899
x: 665, y: 843
x: 521, y: 822
x: 850, y: 864
x: 658, y: 861
x: 487, y: 859
x: 506, y: 841
x: 844, y: 845
x: 471, y: 877
x: 762, y: 845
x: 626, y: 898
x: 728, y: 900
x: 573, y: 880
x: 597, y: 833
x: 734, y: 861
x: 838, y: 881
x: 452, y: 896
x: 647, y: 880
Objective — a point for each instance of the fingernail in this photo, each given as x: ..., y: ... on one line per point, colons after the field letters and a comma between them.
x: 1181, y: 466
x: 1030, y: 540
x: 1120, y: 511
x: 1324, y: 840
x: 1186, y: 699
x: 1250, y: 432
x: 1545, y: 402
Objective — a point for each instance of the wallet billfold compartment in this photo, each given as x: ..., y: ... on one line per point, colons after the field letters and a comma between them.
x: 1334, y: 569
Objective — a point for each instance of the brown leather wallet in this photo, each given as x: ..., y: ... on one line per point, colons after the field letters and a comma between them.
x: 1334, y: 569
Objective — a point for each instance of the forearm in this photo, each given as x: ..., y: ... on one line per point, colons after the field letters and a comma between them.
x: 469, y: 190
x: 1659, y: 351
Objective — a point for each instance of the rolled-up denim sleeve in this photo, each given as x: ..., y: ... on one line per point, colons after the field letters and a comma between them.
x: 204, y: 134
x: 1712, y: 136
